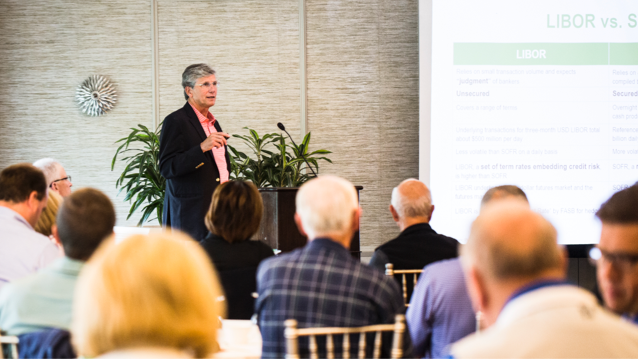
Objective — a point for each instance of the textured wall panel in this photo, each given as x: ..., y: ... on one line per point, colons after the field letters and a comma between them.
x: 47, y: 49
x: 253, y: 46
x: 362, y: 82
x: 363, y: 98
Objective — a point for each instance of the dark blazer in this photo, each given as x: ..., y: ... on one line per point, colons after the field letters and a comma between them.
x: 416, y: 247
x: 48, y: 343
x: 235, y: 255
x: 237, y: 266
x: 191, y: 175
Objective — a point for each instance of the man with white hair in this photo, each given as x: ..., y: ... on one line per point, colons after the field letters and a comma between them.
x: 193, y: 156
x: 515, y: 273
x: 321, y: 285
x: 418, y: 244
x: 57, y: 179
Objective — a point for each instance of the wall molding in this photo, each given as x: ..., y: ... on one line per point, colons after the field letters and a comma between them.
x: 303, y: 88
x: 155, y: 62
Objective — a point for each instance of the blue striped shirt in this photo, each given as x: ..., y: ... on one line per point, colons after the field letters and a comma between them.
x: 440, y: 311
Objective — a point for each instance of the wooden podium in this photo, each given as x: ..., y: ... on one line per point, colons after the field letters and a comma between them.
x: 278, y: 227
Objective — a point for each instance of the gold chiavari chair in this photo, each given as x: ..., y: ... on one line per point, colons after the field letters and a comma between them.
x: 292, y: 334
x: 390, y: 272
x: 12, y: 342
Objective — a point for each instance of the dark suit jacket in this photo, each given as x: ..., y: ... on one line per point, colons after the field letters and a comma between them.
x: 237, y: 266
x: 191, y: 175
x: 49, y: 343
x: 226, y: 256
x: 416, y: 247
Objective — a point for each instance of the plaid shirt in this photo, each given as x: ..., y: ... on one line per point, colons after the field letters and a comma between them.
x: 321, y: 285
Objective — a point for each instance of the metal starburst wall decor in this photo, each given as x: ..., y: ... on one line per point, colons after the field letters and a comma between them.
x: 96, y: 96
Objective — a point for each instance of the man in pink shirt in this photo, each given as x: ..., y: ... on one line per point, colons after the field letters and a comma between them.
x: 193, y: 154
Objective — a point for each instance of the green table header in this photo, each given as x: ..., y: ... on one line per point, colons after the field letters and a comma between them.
x: 545, y: 54
x: 623, y: 54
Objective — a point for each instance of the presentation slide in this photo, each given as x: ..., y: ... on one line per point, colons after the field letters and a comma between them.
x: 542, y: 95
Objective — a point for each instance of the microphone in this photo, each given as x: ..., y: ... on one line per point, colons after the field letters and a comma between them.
x: 281, y: 127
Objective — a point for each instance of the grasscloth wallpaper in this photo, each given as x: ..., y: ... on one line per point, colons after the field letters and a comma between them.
x: 47, y: 48
x: 362, y: 82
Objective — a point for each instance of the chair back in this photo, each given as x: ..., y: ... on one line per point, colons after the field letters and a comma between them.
x: 292, y: 334
x: 414, y: 273
x: 12, y: 343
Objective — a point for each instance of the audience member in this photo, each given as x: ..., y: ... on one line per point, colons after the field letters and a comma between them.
x: 57, y: 179
x: 515, y: 274
x: 234, y: 216
x: 49, y: 214
x: 617, y: 269
x: 23, y: 196
x: 321, y: 285
x: 507, y: 191
x: 440, y: 311
x: 149, y: 296
x: 418, y: 244
x: 43, y: 300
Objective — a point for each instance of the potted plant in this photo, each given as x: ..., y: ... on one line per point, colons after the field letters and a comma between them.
x: 141, y: 179
x: 277, y: 169
x: 282, y: 167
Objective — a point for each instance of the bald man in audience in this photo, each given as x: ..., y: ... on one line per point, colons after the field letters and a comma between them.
x: 515, y: 272
x: 440, y: 311
x: 418, y: 244
x: 507, y: 191
x: 321, y: 285
x: 23, y: 196
x: 617, y: 264
x: 57, y: 179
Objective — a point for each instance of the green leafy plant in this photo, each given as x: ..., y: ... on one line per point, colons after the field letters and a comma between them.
x: 282, y: 167
x: 145, y: 187
x: 141, y: 178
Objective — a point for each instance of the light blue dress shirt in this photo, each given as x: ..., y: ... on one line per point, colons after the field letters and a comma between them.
x: 42, y: 300
x: 440, y: 311
x: 22, y: 250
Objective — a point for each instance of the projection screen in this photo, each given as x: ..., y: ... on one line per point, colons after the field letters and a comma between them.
x: 542, y: 95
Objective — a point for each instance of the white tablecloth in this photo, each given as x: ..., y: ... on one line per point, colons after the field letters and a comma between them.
x: 239, y: 339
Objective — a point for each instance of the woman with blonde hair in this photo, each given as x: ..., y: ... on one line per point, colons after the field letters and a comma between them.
x: 153, y: 295
x: 49, y: 213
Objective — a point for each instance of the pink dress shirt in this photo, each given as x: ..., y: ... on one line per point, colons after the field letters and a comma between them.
x: 219, y: 154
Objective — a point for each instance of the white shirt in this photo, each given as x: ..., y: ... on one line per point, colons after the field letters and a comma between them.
x: 146, y: 352
x: 553, y: 322
x: 22, y: 250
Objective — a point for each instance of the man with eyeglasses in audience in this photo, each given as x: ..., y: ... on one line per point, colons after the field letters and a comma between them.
x: 57, y: 179
x: 193, y: 156
x: 617, y: 255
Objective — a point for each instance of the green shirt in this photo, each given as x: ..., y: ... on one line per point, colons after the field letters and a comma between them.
x: 40, y: 301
